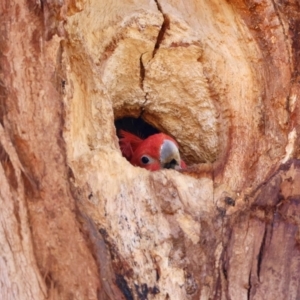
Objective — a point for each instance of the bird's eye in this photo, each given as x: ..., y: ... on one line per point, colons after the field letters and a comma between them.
x: 145, y: 160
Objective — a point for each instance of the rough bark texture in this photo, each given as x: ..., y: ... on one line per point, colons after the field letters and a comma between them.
x: 78, y: 221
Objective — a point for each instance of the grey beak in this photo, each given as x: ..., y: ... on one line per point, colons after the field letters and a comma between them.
x: 169, y: 155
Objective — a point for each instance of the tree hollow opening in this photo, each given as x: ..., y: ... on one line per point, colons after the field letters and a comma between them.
x: 143, y: 130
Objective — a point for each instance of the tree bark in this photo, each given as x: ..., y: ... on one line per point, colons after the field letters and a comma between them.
x: 78, y: 221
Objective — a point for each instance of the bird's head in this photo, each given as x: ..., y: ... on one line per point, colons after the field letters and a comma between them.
x: 158, y: 151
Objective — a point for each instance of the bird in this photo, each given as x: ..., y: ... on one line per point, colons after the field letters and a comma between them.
x: 156, y: 152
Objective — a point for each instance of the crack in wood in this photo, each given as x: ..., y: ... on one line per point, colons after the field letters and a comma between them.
x: 142, y: 78
x: 164, y: 27
x: 260, y: 253
x: 142, y: 72
x: 249, y: 286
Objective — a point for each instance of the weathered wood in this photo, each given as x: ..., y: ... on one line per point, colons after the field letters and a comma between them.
x: 55, y: 260
x: 78, y: 221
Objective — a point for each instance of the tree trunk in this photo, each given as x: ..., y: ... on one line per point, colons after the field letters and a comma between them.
x: 78, y: 221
